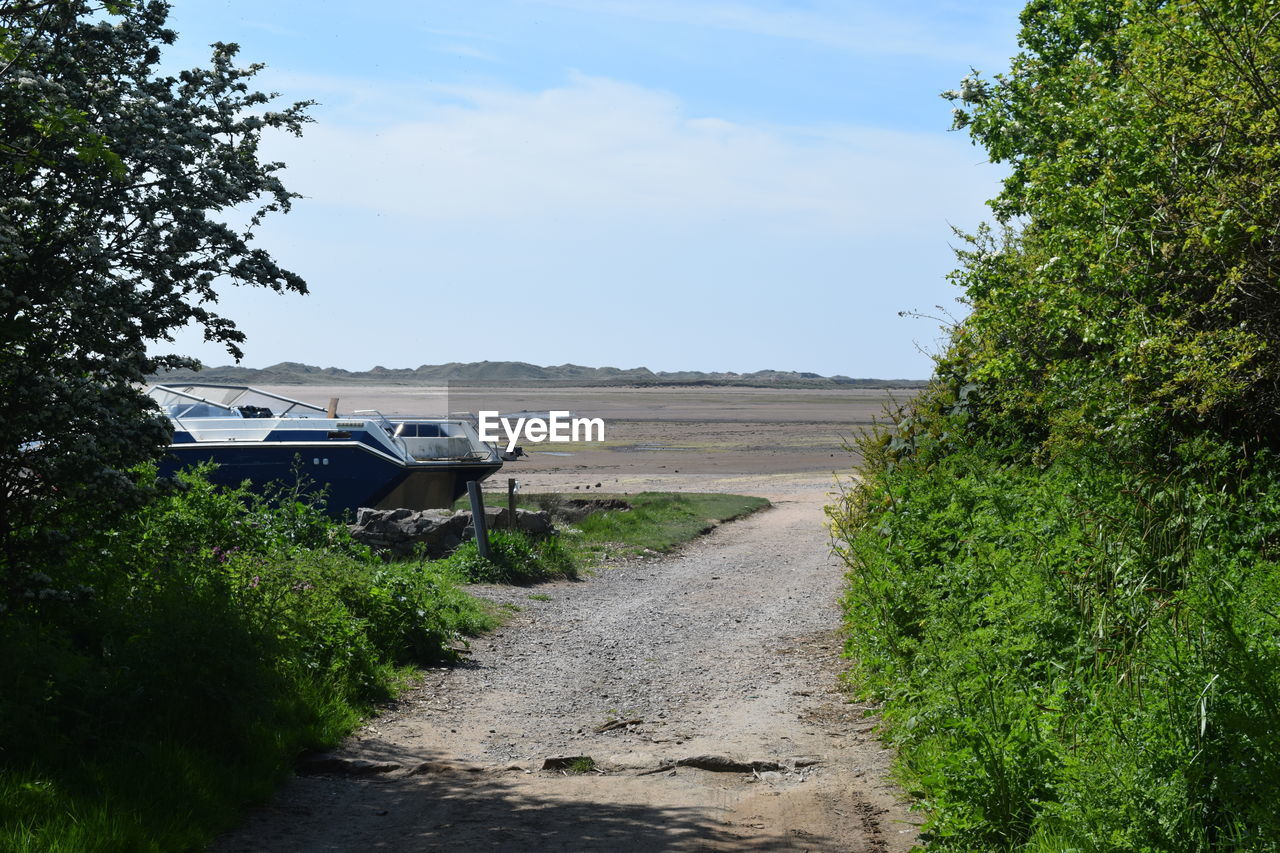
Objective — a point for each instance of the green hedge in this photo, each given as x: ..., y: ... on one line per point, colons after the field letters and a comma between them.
x: 1077, y: 656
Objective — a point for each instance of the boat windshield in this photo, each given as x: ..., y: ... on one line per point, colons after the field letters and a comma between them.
x: 228, y: 401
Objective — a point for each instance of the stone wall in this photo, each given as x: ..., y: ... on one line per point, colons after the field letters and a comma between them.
x: 404, y: 532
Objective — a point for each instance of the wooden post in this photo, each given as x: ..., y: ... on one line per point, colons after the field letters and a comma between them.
x: 511, y: 503
x: 333, y: 407
x: 477, y: 518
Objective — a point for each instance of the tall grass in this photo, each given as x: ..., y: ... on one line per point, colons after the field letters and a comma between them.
x: 1074, y: 656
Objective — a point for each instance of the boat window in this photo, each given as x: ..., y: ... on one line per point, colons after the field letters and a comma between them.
x: 413, y: 430
x: 198, y: 410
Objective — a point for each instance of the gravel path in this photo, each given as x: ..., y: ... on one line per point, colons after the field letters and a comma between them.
x: 703, y: 686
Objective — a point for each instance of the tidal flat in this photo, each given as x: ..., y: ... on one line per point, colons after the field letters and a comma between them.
x: 701, y: 438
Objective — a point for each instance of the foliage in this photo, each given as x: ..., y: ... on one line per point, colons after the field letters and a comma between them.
x: 114, y: 183
x: 1063, y: 554
x: 209, y: 638
x: 1137, y: 296
x: 515, y: 558
x: 1078, y: 652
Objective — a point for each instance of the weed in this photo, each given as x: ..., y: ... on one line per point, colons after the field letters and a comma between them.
x: 581, y: 764
x: 198, y: 645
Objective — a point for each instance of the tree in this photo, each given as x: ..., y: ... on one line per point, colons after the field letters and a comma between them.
x: 1138, y: 300
x: 112, y: 179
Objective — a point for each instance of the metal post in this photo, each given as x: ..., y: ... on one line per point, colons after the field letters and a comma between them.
x: 477, y: 518
x: 511, y: 503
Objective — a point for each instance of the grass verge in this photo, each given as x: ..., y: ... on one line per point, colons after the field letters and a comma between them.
x: 660, y: 521
x: 657, y: 521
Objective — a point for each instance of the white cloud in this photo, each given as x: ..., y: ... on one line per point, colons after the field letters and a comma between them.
x: 601, y: 150
x: 469, y: 51
x: 858, y: 26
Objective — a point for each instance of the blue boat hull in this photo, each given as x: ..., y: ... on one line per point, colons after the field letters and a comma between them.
x: 351, y: 474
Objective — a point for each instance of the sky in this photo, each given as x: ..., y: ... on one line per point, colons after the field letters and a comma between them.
x: 717, y: 185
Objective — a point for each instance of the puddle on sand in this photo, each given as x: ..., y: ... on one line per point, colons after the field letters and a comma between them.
x: 554, y: 453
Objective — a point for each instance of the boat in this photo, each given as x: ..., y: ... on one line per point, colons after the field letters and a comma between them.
x: 363, y: 459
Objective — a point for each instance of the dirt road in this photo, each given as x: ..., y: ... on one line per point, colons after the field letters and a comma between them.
x: 724, y: 651
x: 723, y: 656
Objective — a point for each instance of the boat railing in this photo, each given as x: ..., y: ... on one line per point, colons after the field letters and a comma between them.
x: 440, y: 447
x: 438, y: 439
x: 378, y: 418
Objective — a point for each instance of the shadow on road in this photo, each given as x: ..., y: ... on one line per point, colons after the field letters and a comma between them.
x: 432, y: 804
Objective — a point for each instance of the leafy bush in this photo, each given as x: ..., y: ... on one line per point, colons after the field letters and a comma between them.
x: 210, y: 637
x: 1078, y: 653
